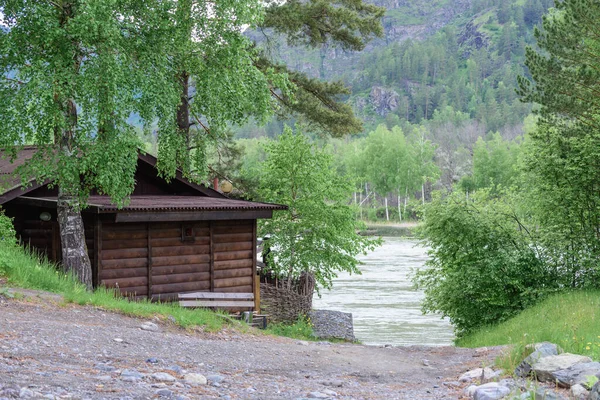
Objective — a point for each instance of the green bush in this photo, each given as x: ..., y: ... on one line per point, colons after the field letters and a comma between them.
x: 484, y: 266
x: 372, y: 214
x: 7, y: 230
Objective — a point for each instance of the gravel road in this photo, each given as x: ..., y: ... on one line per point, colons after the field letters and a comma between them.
x: 54, y: 351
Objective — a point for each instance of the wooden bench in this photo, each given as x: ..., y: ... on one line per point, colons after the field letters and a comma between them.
x: 234, y: 301
x: 217, y: 300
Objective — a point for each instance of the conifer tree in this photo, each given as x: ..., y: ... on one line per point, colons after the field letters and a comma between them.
x: 347, y: 24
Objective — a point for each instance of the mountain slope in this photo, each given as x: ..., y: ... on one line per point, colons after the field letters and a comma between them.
x: 463, y: 54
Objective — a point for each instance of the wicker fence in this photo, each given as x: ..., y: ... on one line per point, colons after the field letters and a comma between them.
x: 287, y: 304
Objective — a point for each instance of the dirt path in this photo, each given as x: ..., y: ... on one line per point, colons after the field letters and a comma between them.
x: 85, y: 352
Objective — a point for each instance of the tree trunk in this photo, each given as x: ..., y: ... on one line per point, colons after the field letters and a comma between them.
x: 399, y: 207
x: 423, y: 193
x: 75, y: 257
x: 387, y: 214
x: 360, y: 204
x: 183, y: 111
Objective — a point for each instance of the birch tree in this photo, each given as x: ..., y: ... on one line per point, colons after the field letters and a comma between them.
x: 74, y: 71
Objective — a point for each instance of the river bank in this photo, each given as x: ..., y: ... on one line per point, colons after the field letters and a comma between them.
x: 404, y: 229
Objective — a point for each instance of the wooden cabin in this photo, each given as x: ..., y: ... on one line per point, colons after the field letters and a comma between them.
x: 173, y: 237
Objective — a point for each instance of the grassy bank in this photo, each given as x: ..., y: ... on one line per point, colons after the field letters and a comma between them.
x: 405, y: 229
x: 569, y: 319
x: 23, y: 269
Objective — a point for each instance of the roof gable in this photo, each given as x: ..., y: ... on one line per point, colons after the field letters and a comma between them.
x: 11, y: 185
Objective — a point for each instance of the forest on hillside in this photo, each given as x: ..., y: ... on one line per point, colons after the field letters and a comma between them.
x: 450, y: 91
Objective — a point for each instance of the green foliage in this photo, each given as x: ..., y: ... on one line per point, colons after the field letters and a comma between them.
x: 388, y: 161
x: 301, y: 329
x: 495, y: 164
x: 484, y: 266
x: 347, y: 24
x: 561, y: 155
x: 316, y: 102
x: 72, y: 79
x: 7, y: 230
x: 317, y: 234
x: 564, y: 68
x: 25, y: 269
x: 569, y: 319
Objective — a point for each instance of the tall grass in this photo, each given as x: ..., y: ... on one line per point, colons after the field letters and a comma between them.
x: 569, y: 319
x: 25, y: 269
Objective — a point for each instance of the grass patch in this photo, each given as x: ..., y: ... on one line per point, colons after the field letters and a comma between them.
x: 25, y: 269
x: 569, y: 319
x: 302, y: 329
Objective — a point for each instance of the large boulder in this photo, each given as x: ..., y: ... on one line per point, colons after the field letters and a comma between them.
x: 546, y: 366
x: 332, y: 325
x: 544, y: 349
x: 576, y: 374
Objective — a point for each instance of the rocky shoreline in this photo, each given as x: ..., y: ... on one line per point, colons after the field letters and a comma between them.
x: 546, y: 364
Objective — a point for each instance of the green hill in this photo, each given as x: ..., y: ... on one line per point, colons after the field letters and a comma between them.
x: 465, y: 54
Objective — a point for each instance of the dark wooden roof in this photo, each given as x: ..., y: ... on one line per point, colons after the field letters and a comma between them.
x: 103, y: 204
x: 11, y: 185
x: 182, y: 203
x: 8, y: 181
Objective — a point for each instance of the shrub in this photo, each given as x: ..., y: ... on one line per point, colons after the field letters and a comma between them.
x: 484, y: 266
x: 7, y: 230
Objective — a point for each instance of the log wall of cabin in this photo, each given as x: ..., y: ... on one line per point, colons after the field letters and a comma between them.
x: 161, y: 260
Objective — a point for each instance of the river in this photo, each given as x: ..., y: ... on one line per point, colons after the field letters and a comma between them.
x: 385, y: 307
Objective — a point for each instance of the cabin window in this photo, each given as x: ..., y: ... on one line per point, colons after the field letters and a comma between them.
x: 187, y: 233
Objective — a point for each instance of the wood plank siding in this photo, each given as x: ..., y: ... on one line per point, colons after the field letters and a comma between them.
x: 162, y: 259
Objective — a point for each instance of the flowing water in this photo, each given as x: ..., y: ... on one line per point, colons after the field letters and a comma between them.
x: 385, y: 307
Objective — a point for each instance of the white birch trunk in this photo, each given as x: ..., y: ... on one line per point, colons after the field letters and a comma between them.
x: 399, y: 206
x: 387, y: 214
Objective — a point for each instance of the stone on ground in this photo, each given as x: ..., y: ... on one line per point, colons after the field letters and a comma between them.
x: 544, y: 349
x: 477, y: 373
x: 595, y: 392
x: 149, y: 326
x: 163, y: 377
x: 491, y: 391
x: 579, y: 392
x: 317, y: 395
x: 195, y: 379
x: 576, y: 374
x: 131, y: 374
x: 544, y: 368
x: 547, y: 394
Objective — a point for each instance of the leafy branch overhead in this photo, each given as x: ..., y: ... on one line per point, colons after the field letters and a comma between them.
x: 347, y: 24
x: 317, y: 101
